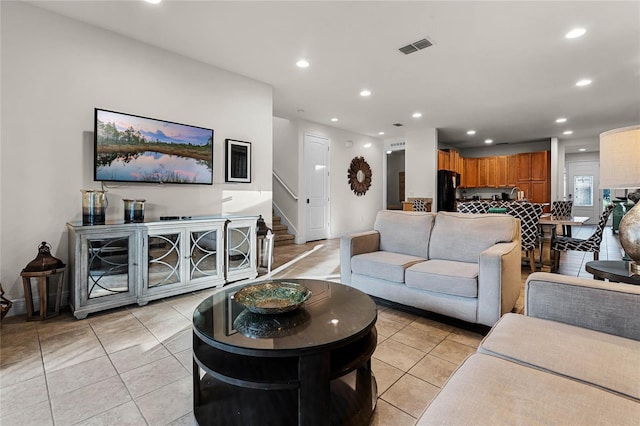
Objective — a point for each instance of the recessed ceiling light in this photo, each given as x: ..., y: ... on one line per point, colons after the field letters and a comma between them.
x: 367, y: 145
x: 302, y: 63
x: 334, y: 119
x: 488, y: 141
x: 575, y: 33
x: 153, y: 1
x: 471, y: 132
x: 567, y: 132
x: 583, y: 82
x: 582, y: 149
x: 561, y: 120
x: 381, y: 133
x: 365, y: 93
x: 417, y: 115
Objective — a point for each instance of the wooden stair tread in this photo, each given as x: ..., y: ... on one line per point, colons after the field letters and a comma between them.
x: 281, y: 234
x: 280, y: 237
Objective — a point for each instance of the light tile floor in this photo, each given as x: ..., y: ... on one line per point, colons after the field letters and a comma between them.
x: 132, y: 366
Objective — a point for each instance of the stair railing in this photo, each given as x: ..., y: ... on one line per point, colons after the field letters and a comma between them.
x: 285, y: 186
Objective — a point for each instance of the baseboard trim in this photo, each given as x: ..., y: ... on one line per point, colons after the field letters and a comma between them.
x: 19, y: 306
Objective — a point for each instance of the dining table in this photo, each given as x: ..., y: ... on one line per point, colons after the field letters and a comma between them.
x: 568, y: 221
x: 551, y: 222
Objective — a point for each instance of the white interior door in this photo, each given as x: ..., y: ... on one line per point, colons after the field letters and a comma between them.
x: 316, y: 171
x: 583, y: 187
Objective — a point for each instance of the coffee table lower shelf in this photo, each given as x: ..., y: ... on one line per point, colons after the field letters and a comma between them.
x: 221, y: 403
x: 240, y: 389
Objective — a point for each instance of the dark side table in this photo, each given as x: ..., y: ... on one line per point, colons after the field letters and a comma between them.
x: 311, y: 366
x: 612, y: 270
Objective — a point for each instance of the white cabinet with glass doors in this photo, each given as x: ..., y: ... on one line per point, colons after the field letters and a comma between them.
x: 117, y: 264
x: 180, y: 257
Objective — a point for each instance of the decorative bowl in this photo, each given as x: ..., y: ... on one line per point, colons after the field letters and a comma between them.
x: 261, y: 326
x: 272, y: 297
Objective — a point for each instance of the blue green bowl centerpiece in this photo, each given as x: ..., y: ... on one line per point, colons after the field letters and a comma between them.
x: 260, y: 326
x: 272, y: 297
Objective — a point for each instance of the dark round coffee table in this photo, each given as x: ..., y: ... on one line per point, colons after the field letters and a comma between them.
x: 612, y: 270
x: 311, y: 366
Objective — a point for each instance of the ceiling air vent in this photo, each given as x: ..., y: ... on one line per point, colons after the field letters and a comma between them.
x: 398, y: 124
x: 415, y: 46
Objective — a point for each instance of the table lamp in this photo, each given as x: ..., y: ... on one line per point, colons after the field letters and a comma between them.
x: 620, y: 169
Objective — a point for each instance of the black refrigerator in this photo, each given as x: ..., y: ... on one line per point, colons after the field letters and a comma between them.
x: 447, y: 184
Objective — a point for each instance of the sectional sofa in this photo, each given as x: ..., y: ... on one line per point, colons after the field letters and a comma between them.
x: 459, y: 265
x: 572, y: 359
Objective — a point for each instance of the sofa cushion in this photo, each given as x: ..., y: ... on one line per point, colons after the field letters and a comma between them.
x: 486, y: 390
x: 383, y: 264
x: 605, y: 360
x: 404, y: 232
x: 462, y: 237
x: 444, y: 276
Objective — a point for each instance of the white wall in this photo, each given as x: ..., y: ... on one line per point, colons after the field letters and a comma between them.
x: 348, y: 212
x: 421, y: 163
x: 285, y: 164
x: 54, y: 72
x: 506, y: 149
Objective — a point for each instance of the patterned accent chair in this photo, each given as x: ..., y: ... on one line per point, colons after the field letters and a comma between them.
x: 419, y: 206
x: 473, y: 207
x: 562, y: 208
x: 529, y: 215
x: 591, y: 244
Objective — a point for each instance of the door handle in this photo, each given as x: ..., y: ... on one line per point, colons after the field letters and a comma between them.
x: 307, y: 201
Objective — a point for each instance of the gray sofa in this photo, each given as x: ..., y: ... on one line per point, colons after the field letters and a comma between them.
x: 573, y: 358
x: 459, y: 265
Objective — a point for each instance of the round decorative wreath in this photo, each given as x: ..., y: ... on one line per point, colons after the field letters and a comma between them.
x: 359, y: 176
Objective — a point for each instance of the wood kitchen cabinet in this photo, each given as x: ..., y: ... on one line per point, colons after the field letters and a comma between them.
x: 471, y: 172
x: 487, y: 172
x: 443, y: 159
x: 502, y: 170
x: 454, y: 161
x: 512, y: 170
x: 538, y: 192
x: 523, y: 167
x: 540, y: 165
x: 449, y: 159
x: 534, y: 175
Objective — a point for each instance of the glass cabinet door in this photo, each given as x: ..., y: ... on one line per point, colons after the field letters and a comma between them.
x: 108, y: 266
x: 164, y: 262
x: 238, y: 248
x: 204, y: 254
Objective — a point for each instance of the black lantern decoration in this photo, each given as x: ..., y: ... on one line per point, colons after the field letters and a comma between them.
x: 265, y: 244
x: 5, y: 304
x: 48, y: 272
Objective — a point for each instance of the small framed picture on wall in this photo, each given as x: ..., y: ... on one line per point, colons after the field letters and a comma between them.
x: 238, y: 155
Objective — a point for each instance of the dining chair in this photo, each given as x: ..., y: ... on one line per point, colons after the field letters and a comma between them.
x: 562, y: 208
x: 474, y: 207
x: 419, y: 206
x: 591, y: 244
x: 529, y: 215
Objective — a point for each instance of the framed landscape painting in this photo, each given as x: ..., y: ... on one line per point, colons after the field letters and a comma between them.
x: 238, y: 155
x: 132, y: 148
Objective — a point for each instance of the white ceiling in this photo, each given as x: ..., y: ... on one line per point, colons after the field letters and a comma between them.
x: 502, y: 68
